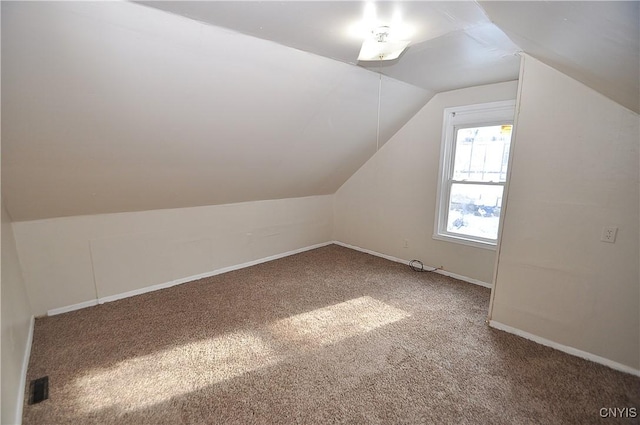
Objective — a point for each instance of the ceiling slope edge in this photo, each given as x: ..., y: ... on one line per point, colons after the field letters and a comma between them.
x: 595, y: 43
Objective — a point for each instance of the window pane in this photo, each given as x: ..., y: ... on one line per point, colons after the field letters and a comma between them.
x: 482, y: 153
x: 474, y: 210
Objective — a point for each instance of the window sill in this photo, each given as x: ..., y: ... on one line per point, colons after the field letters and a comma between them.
x: 464, y: 241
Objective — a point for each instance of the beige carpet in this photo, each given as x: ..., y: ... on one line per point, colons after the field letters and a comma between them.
x: 327, y: 336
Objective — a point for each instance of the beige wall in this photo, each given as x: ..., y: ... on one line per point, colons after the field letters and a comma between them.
x: 16, y: 318
x: 393, y: 196
x: 73, y: 260
x: 574, y: 171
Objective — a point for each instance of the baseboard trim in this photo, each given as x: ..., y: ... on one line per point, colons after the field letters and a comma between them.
x: 565, y: 348
x: 22, y: 385
x: 464, y: 278
x: 72, y: 307
x: 399, y: 260
x: 109, y: 298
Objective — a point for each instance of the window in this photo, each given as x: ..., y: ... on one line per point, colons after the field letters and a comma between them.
x: 473, y: 171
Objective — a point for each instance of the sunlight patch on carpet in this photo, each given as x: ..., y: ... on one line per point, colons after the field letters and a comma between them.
x: 335, y: 323
x: 143, y: 381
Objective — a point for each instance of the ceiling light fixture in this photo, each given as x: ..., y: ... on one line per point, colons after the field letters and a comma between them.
x: 381, y: 46
x: 382, y: 42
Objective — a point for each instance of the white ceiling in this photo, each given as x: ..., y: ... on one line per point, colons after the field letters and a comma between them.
x: 596, y: 43
x: 110, y: 107
x: 455, y: 44
x: 119, y: 106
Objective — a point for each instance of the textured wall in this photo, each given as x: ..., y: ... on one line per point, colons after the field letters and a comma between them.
x: 574, y: 171
x: 393, y: 196
x: 16, y: 318
x: 73, y: 260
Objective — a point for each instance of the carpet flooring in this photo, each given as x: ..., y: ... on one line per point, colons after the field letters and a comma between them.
x: 327, y: 336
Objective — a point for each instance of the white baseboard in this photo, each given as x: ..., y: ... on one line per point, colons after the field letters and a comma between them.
x: 72, y: 307
x: 22, y: 385
x: 180, y: 281
x: 464, y: 278
x: 399, y: 260
x: 564, y: 348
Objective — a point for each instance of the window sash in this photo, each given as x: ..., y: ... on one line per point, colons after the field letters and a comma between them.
x: 482, y: 115
x: 454, y: 145
x: 447, y: 211
x: 479, y: 182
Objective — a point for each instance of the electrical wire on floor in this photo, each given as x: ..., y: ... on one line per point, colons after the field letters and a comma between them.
x: 420, y: 267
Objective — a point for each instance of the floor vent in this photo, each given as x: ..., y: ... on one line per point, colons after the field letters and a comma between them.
x: 39, y: 390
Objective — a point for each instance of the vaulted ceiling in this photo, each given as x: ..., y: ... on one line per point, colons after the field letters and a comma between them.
x: 120, y: 106
x: 595, y: 42
x: 453, y: 45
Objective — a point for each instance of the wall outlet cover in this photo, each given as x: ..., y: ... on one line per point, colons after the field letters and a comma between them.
x: 609, y: 234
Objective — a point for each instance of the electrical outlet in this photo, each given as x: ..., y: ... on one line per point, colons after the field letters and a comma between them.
x: 609, y: 234
x: 406, y: 243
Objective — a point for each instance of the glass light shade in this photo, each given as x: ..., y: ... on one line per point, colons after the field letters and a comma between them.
x: 374, y: 50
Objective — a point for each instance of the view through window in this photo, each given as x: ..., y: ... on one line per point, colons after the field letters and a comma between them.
x: 479, y: 174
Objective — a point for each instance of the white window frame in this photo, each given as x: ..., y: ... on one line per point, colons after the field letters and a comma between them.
x: 479, y: 115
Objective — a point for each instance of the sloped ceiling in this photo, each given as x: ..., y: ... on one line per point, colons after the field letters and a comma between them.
x: 119, y: 106
x: 454, y: 44
x: 596, y: 43
x: 457, y: 43
x: 110, y: 107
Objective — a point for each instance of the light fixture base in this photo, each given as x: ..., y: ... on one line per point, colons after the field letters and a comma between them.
x: 379, y: 48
